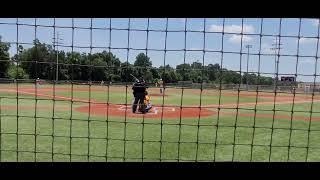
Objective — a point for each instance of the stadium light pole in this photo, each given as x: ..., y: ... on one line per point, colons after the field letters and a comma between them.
x: 56, y: 43
x: 276, y: 61
x: 248, y: 47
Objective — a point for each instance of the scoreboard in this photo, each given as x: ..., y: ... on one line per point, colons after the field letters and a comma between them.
x: 288, y: 78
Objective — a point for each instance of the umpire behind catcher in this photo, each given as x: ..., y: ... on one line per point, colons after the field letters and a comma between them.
x: 139, y: 90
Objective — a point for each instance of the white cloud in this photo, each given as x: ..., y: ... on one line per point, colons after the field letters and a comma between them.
x: 210, y: 49
x: 215, y: 28
x: 232, y: 28
x: 195, y: 48
x: 307, y: 61
x: 315, y: 22
x: 183, y: 20
x: 266, y: 48
x: 235, y: 38
x: 178, y: 19
x: 307, y: 40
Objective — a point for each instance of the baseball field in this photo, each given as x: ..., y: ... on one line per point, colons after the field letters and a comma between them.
x: 95, y: 123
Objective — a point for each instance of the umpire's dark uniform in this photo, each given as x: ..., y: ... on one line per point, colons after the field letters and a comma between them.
x: 139, y: 90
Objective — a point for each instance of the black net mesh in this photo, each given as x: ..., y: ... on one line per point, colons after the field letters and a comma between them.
x: 220, y: 89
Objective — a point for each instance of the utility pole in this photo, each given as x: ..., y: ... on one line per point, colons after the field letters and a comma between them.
x: 56, y: 43
x: 276, y: 48
x: 248, y: 47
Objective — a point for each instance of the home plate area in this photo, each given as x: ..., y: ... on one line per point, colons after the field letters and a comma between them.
x: 155, y: 112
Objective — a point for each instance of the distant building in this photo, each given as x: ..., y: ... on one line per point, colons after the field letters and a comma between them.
x: 309, y: 86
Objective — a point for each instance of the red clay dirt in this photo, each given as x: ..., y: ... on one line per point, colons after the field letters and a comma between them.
x: 156, y: 111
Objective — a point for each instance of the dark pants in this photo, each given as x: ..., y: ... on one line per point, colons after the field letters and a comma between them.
x: 138, y: 99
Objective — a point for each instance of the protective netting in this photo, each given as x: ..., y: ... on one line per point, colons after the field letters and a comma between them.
x: 220, y: 89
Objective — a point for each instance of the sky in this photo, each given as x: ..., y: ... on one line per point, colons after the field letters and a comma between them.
x: 171, y: 36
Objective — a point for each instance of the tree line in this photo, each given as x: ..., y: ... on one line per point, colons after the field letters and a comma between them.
x: 39, y: 61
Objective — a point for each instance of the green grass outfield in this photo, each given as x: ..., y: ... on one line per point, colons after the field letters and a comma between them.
x: 55, y: 132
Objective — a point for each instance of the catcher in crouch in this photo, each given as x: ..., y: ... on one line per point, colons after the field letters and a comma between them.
x: 147, y: 102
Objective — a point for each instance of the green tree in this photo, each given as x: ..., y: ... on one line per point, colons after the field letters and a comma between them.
x: 142, y: 60
x: 85, y: 67
x: 4, y: 58
x: 184, y: 71
x: 252, y: 79
x: 195, y: 76
x: 143, y: 67
x: 173, y: 76
x: 73, y: 59
x: 168, y: 74
x: 196, y: 65
x: 63, y: 67
x: 110, y: 62
x: 265, y: 80
x: 15, y: 72
x: 197, y: 73
x: 155, y: 73
x: 126, y: 70
x: 115, y: 78
x: 212, y: 71
x: 228, y: 77
x: 98, y: 70
x: 38, y: 61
